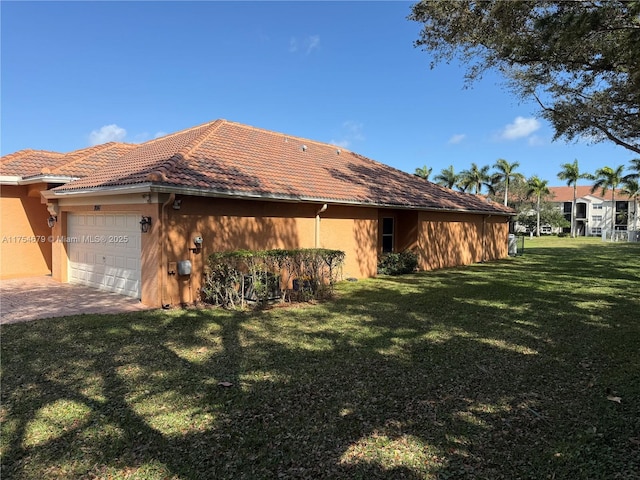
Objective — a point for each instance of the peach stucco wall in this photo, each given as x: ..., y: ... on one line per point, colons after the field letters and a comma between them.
x: 25, y: 249
x: 450, y: 239
x: 355, y: 231
x: 441, y: 240
x: 236, y: 224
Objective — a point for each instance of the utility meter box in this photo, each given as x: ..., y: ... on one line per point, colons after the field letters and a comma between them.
x: 184, y: 267
x: 513, y: 245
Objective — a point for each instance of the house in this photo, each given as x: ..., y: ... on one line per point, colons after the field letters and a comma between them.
x: 593, y: 210
x: 131, y: 219
x: 25, y: 247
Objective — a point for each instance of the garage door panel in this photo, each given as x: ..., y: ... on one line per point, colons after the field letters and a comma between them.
x: 119, y: 261
x: 93, y: 274
x: 105, y: 252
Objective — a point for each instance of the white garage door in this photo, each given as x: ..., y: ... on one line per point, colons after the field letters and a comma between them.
x: 104, y: 251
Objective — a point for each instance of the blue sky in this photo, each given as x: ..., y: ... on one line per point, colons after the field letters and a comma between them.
x: 80, y: 73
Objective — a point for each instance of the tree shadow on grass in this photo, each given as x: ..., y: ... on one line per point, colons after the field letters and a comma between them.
x: 454, y: 374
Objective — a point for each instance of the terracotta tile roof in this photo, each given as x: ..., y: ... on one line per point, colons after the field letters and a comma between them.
x: 27, y: 163
x: 565, y: 194
x: 79, y: 163
x: 152, y: 159
x: 227, y: 158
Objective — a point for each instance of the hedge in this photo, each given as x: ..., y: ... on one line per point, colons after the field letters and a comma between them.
x: 235, y: 278
x: 398, y: 263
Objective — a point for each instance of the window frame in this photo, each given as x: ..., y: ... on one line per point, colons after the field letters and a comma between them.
x: 385, y: 235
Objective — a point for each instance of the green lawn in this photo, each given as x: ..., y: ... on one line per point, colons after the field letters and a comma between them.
x: 506, y: 370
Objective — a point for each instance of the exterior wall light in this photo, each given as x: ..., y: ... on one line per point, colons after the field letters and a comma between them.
x: 197, y: 241
x: 145, y: 224
x: 51, y: 221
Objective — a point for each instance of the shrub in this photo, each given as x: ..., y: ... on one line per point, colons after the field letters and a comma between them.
x: 231, y: 278
x: 398, y: 263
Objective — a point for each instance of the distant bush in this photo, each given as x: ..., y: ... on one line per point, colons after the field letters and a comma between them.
x: 398, y: 263
x: 562, y: 234
x: 257, y: 276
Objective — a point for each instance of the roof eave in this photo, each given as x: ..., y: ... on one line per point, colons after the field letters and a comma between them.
x: 98, y: 191
x: 201, y: 192
x: 18, y: 180
x: 206, y: 192
x: 10, y: 179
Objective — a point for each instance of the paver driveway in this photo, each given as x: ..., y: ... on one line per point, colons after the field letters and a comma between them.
x: 41, y: 297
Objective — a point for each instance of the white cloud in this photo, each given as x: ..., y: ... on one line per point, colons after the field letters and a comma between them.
x: 344, y: 143
x: 160, y: 134
x: 354, y: 129
x: 520, y: 128
x: 457, y: 138
x: 107, y: 133
x: 312, y: 43
x: 351, y: 132
x: 293, y: 45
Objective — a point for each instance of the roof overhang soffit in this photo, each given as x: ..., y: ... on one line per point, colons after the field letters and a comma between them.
x: 199, y: 192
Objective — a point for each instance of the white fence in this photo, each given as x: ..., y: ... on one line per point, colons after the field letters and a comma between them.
x: 621, y: 236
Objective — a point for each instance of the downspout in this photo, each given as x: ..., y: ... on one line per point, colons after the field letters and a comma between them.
x: 163, y: 243
x: 322, y: 209
x: 484, y: 225
x: 484, y: 237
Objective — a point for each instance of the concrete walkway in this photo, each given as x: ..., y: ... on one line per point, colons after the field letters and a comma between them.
x: 33, y: 298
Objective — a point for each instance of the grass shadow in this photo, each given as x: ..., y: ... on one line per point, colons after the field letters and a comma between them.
x: 497, y: 370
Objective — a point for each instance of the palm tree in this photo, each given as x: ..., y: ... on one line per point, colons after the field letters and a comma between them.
x: 475, y: 178
x: 631, y: 187
x: 635, y: 165
x: 423, y: 172
x: 608, y: 178
x: 447, y: 177
x: 571, y: 173
x: 506, y: 174
x: 538, y: 188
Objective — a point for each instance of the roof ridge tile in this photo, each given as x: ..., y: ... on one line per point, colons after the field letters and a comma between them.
x: 82, y: 155
x: 287, y: 136
x: 179, y: 132
x: 161, y: 171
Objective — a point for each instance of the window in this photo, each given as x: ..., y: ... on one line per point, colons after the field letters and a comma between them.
x: 596, y: 231
x: 387, y: 235
x: 622, y: 215
x: 597, y: 206
x: 596, y: 218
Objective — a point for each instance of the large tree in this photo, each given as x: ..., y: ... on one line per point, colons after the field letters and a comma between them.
x: 475, y: 178
x: 631, y: 187
x: 549, y: 215
x: 635, y: 169
x: 579, y: 60
x: 423, y: 172
x: 447, y: 177
x: 538, y: 188
x: 506, y: 174
x: 607, y: 178
x: 571, y: 174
